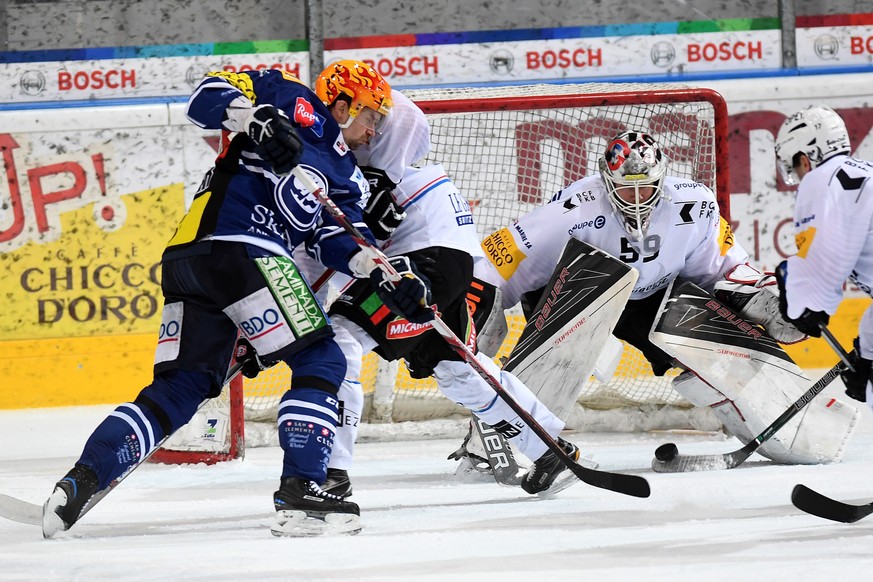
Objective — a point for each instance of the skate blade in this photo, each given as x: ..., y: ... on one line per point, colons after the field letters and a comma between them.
x: 296, y: 524
x: 567, y: 479
x: 51, y: 521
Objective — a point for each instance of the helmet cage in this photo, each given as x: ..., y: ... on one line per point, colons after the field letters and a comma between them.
x: 358, y: 81
x: 633, y: 160
x: 818, y: 132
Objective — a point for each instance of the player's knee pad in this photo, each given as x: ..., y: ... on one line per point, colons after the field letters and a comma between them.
x: 459, y: 382
x: 307, y: 421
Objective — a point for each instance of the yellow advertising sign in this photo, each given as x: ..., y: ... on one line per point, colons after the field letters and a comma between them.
x: 92, y: 281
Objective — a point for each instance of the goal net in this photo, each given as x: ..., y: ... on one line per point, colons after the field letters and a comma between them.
x: 509, y: 149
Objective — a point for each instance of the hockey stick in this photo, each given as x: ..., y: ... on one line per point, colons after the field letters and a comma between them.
x: 814, y: 503
x: 835, y: 345
x: 668, y: 460
x: 627, y: 484
x: 22, y: 511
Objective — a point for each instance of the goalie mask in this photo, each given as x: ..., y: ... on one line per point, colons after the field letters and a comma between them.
x: 818, y: 132
x: 632, y: 169
x: 360, y: 83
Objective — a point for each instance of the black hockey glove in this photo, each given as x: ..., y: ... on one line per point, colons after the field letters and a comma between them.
x: 809, y: 322
x: 382, y: 214
x: 276, y: 139
x: 246, y: 355
x: 856, y: 382
x: 410, y: 297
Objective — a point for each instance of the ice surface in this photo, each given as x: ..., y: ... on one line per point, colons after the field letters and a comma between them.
x: 423, y: 523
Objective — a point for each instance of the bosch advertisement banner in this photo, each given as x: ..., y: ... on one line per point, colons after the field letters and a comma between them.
x: 159, y: 72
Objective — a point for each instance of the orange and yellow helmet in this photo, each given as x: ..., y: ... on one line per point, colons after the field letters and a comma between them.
x: 359, y: 81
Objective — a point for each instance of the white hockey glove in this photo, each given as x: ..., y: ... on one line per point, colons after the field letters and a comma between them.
x: 276, y: 139
x: 756, y: 296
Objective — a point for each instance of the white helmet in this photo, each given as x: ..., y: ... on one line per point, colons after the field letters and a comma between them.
x: 633, y: 159
x: 816, y: 131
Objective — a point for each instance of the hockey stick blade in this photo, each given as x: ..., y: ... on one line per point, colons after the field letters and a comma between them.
x: 687, y: 463
x: 627, y: 484
x: 814, y: 503
x: 15, y: 509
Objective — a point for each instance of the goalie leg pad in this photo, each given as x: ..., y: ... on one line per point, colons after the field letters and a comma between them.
x: 460, y: 383
x: 756, y: 377
x: 574, y: 317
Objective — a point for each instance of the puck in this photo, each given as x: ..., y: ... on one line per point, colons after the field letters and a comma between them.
x: 666, y: 453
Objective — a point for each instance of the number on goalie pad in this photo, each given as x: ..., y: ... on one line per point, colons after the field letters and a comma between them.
x: 573, y: 321
x: 747, y: 378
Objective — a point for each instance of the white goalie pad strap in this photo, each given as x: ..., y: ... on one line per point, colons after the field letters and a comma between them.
x: 560, y: 344
x: 756, y: 377
x: 460, y: 383
x: 608, y: 360
x: 696, y: 391
x: 756, y: 296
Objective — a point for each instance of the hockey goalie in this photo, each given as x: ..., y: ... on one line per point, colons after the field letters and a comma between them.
x: 665, y: 228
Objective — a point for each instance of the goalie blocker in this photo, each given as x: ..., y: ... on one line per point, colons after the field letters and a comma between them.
x: 747, y: 379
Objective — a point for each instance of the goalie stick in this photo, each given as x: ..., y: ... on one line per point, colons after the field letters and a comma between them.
x: 685, y: 463
x: 633, y: 485
x: 668, y: 460
x: 814, y: 503
x: 21, y: 511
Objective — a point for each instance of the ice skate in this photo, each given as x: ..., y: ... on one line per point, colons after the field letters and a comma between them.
x: 304, y: 509
x: 338, y: 483
x: 542, y: 474
x: 64, y: 506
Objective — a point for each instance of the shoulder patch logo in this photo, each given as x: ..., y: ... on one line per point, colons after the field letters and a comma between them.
x: 305, y: 116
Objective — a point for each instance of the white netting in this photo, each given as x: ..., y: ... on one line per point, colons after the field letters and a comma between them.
x: 509, y: 149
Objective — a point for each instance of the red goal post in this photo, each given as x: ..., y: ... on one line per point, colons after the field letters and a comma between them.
x: 509, y: 149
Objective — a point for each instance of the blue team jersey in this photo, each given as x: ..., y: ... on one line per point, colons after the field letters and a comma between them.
x: 241, y: 199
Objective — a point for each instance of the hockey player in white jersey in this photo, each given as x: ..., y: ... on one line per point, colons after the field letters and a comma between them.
x: 667, y: 228
x: 832, y: 215
x: 439, y: 235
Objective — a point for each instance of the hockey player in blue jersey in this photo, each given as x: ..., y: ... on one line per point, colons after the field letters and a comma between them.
x: 229, y: 265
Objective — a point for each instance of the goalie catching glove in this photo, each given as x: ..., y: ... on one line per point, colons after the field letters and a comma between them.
x: 382, y: 214
x: 809, y: 322
x: 856, y: 382
x: 757, y: 297
x: 409, y: 297
x: 276, y: 139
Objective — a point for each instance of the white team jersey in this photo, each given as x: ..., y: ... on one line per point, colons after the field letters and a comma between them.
x: 833, y: 221
x: 686, y: 237
x: 436, y: 214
